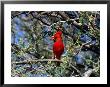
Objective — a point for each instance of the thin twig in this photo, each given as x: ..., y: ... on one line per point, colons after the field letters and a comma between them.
x: 75, y: 69
x: 82, y: 47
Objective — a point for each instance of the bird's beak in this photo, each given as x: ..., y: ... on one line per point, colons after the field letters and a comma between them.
x: 52, y: 37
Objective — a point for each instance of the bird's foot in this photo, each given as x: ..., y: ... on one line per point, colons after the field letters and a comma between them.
x: 53, y: 58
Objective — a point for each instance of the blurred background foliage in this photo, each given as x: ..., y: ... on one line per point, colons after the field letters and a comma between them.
x: 31, y: 43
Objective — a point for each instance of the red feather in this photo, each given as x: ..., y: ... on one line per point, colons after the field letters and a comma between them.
x: 58, y: 46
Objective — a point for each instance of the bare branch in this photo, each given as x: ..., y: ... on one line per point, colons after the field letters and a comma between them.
x: 88, y: 73
x: 82, y: 47
x: 35, y: 61
x: 63, y: 15
x: 75, y: 69
x: 38, y: 17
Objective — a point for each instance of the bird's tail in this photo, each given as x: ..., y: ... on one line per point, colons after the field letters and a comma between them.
x: 58, y: 62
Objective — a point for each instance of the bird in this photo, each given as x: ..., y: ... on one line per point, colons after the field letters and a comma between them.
x: 58, y: 46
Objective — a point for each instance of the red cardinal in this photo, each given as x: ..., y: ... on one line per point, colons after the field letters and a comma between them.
x: 58, y: 46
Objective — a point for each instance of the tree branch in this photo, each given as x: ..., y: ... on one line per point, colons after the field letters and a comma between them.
x: 38, y: 17
x: 63, y: 15
x: 88, y: 73
x: 35, y: 61
x: 75, y: 69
